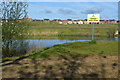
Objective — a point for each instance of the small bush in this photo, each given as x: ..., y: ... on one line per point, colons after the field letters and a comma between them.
x: 93, y: 42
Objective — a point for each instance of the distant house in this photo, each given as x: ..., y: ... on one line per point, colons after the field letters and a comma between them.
x: 29, y: 19
x: 113, y: 21
x: 58, y: 21
x: 75, y: 22
x: 70, y: 22
x: 64, y: 22
x: 85, y: 21
x: 102, y: 22
x: 36, y: 20
x: 46, y: 20
x: 69, y: 19
x: 80, y: 22
x: 110, y: 22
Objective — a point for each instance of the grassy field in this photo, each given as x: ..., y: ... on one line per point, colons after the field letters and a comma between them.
x: 94, y: 59
x: 47, y: 29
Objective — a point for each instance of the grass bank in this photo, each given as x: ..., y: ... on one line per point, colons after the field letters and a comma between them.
x: 100, y: 48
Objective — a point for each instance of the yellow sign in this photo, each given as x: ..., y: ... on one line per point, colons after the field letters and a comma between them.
x: 93, y: 18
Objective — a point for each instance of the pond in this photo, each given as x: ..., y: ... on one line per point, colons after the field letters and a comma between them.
x: 22, y: 46
x: 43, y: 43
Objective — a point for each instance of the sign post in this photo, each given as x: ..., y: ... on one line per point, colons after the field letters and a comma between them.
x: 92, y: 31
x: 93, y: 18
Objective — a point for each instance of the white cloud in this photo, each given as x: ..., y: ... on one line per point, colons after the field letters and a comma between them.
x: 92, y: 11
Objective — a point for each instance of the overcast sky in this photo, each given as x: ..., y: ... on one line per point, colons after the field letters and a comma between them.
x: 72, y: 10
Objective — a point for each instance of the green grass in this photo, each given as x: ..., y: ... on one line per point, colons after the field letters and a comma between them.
x: 49, y: 29
x: 99, y: 48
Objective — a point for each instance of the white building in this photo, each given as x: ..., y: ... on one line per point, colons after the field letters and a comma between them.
x: 80, y: 22
x: 60, y: 22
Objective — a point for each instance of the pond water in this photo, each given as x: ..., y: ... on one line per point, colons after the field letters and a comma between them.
x: 43, y: 43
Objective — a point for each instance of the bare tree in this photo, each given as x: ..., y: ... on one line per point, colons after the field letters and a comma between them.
x: 14, y: 10
x: 13, y: 25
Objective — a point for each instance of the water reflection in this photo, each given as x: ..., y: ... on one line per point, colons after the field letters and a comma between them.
x: 12, y: 48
